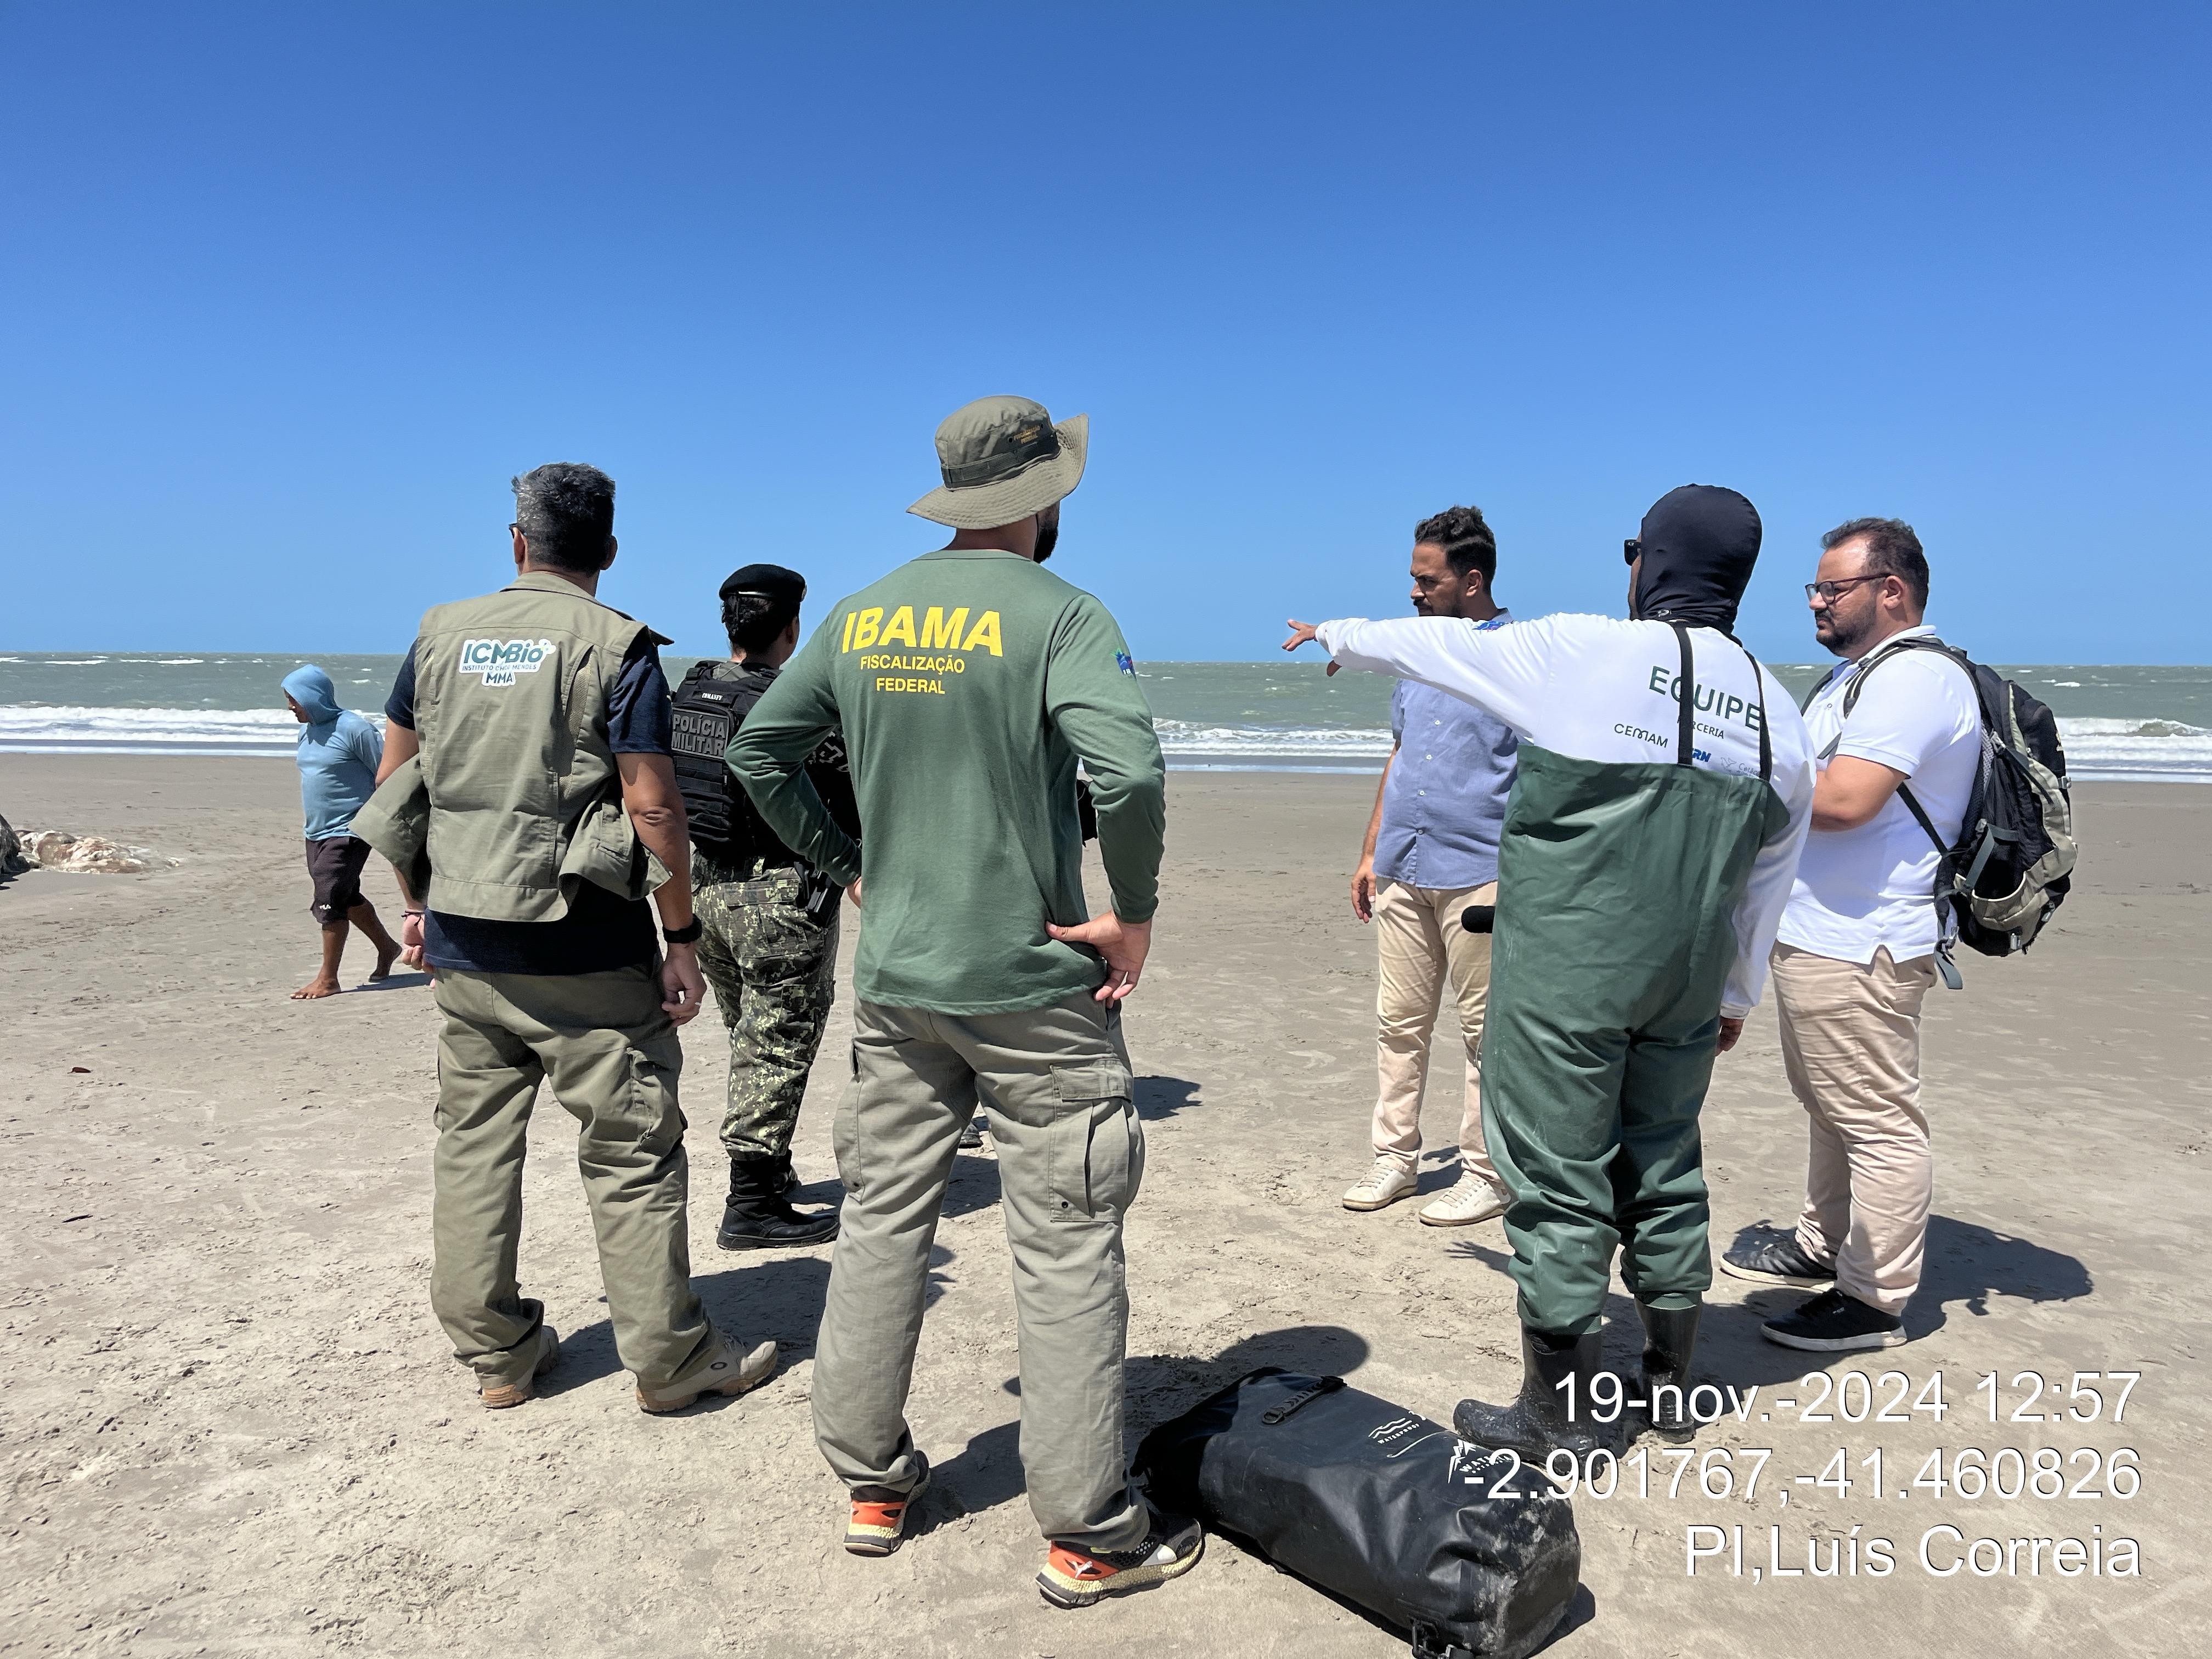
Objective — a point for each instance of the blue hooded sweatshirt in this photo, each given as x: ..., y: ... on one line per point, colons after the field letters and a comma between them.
x: 339, y: 753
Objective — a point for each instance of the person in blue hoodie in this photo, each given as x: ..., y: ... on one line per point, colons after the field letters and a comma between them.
x: 338, y: 756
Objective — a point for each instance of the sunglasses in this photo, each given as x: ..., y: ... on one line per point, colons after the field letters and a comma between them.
x: 1632, y: 549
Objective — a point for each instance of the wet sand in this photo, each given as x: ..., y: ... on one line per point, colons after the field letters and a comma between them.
x: 231, y: 1426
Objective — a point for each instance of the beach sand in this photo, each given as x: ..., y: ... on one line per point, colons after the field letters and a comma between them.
x: 231, y: 1425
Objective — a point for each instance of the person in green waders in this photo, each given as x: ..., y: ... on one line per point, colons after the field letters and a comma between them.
x: 1664, y: 790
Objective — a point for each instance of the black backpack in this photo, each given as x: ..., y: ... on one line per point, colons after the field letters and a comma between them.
x: 2013, y: 863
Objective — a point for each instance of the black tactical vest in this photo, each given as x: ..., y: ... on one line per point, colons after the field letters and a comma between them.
x: 710, y: 706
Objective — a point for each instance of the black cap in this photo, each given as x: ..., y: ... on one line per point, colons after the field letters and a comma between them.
x: 770, y: 581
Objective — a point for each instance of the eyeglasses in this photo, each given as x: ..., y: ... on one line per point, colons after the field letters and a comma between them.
x: 1827, y: 591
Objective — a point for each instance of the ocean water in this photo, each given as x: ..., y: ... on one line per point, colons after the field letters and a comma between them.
x: 2149, y: 724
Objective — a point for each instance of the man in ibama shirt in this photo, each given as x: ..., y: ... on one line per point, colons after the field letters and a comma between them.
x: 967, y: 681
x: 1663, y: 790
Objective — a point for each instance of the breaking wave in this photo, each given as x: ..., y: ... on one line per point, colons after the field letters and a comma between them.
x: 2150, y: 750
x: 2096, y: 750
x: 35, y: 729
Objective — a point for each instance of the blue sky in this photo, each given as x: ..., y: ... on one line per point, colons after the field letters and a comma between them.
x: 291, y: 292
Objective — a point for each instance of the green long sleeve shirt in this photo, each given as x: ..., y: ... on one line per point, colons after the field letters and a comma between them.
x: 967, y: 683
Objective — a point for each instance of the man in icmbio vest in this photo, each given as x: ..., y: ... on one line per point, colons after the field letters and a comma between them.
x: 1664, y: 787
x: 967, y: 683
x: 770, y: 947
x: 528, y: 800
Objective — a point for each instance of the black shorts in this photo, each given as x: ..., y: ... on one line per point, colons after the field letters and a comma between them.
x: 336, y: 866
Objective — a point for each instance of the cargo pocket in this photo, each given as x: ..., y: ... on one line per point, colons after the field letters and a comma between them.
x: 1096, y: 1160
x: 845, y: 1130
x: 653, y: 1103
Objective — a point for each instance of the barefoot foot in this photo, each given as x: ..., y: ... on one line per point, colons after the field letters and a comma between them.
x: 385, y: 957
x: 316, y: 988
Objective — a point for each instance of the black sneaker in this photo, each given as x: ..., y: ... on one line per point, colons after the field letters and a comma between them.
x: 1832, y: 1322
x: 1775, y: 1257
x: 1076, y: 1577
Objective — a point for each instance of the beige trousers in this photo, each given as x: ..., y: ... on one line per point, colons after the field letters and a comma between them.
x: 1850, y: 1042
x: 611, y: 1056
x: 1071, y: 1155
x: 1420, y: 943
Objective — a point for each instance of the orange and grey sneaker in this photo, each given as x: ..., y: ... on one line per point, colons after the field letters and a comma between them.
x: 498, y: 1396
x: 727, y: 1372
x: 881, y: 1515
x: 1076, y: 1577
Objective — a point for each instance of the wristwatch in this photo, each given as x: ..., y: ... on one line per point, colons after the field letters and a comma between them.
x: 687, y: 935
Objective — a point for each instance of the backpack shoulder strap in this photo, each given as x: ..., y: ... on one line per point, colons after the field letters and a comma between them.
x: 1882, y: 654
x: 1890, y: 648
x: 1912, y: 806
x: 1944, y: 891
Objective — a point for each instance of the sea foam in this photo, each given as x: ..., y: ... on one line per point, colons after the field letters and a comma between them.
x: 2097, y: 749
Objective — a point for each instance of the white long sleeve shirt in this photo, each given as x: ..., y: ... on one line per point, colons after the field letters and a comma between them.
x: 1599, y: 688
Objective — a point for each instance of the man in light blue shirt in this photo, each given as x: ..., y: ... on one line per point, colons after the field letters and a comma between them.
x: 339, y: 756
x: 1431, y: 852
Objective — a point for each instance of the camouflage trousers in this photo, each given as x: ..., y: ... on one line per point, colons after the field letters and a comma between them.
x: 775, y: 975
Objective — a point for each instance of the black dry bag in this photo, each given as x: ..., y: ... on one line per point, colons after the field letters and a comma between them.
x: 1467, y: 1550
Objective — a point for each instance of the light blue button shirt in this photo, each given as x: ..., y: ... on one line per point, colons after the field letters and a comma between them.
x: 1443, y: 809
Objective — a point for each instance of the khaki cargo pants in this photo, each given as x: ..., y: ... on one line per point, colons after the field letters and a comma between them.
x: 1056, y: 1084
x: 1420, y: 944
x: 611, y: 1056
x: 1851, y: 1042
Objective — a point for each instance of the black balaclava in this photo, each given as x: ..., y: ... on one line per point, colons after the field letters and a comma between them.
x: 1699, y: 544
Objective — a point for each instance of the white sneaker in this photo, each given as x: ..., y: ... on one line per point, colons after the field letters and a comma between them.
x: 1385, y: 1183
x: 1467, y: 1201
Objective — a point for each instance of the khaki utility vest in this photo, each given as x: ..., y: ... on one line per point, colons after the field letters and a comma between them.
x: 524, y: 800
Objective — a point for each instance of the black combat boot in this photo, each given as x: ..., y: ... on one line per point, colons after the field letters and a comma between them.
x: 758, y: 1217
x: 1670, y: 1336
x: 783, y: 1178
x: 1540, y: 1422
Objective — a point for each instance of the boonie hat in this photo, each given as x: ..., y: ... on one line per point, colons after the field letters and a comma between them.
x: 1003, y: 459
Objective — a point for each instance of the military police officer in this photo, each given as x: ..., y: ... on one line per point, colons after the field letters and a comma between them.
x: 770, y: 947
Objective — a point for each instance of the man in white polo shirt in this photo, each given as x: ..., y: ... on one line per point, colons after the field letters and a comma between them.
x: 1858, y: 948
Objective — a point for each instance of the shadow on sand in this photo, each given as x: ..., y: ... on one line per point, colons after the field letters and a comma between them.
x: 1161, y: 1098
x: 1967, y: 1264
x: 775, y: 1296
x: 390, y: 982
